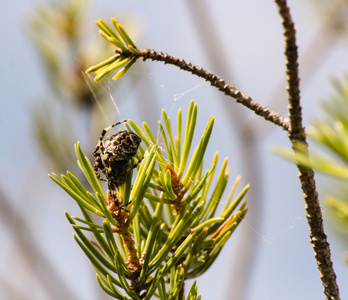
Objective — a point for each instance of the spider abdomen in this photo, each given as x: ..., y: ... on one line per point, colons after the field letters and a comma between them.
x: 120, y: 148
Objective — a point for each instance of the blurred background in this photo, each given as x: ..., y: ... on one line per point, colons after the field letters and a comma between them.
x: 48, y: 104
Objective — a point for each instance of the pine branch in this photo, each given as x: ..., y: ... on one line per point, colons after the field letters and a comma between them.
x: 171, y: 230
x: 219, y: 83
x: 213, y: 79
x: 126, y: 54
x: 297, y: 134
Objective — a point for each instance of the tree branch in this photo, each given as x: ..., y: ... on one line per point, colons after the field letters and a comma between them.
x: 297, y: 134
x: 217, y: 82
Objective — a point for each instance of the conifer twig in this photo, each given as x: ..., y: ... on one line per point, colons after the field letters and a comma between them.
x: 219, y: 83
x: 297, y: 134
x: 124, y: 59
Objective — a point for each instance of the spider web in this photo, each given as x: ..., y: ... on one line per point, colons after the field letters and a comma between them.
x: 104, y: 89
x: 100, y: 90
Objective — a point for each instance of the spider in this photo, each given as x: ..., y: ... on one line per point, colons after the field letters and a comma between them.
x: 112, y: 157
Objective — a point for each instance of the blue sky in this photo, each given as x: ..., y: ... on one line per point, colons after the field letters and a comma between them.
x: 250, y: 33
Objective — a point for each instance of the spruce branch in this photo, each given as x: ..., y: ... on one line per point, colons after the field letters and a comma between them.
x: 297, y: 135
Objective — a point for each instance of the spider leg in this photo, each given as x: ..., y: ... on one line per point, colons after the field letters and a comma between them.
x: 98, y: 174
x: 111, y: 183
x: 112, y: 191
x: 95, y: 151
x: 105, y: 130
x: 136, y: 164
x: 99, y: 165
